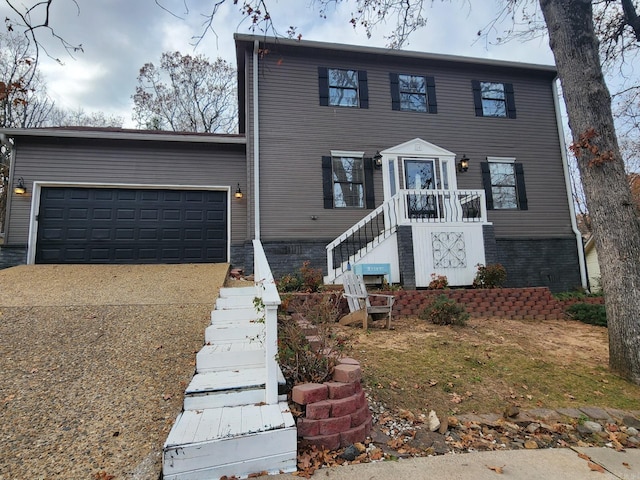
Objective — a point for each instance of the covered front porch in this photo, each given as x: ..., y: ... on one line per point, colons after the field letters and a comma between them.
x: 425, y: 227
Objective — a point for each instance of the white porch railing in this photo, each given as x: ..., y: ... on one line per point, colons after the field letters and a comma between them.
x: 405, y: 208
x: 268, y: 293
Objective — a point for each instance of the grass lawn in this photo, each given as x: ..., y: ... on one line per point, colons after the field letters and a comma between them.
x: 489, y: 364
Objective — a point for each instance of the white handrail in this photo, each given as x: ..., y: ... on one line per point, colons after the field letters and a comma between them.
x: 268, y: 293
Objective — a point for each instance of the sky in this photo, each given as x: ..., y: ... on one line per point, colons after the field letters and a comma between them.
x: 120, y: 36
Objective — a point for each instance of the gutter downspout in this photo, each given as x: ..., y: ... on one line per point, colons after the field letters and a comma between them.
x: 256, y: 143
x: 565, y: 168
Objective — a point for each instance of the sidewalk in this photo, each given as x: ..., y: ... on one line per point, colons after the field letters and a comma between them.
x: 544, y: 464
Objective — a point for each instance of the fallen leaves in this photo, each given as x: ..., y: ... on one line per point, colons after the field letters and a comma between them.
x: 595, y: 467
x: 102, y: 475
x: 499, y: 470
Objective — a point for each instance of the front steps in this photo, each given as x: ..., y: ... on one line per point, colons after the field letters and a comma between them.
x: 226, y: 428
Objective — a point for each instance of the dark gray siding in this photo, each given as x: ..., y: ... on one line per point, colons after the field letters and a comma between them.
x: 295, y: 132
x: 127, y: 162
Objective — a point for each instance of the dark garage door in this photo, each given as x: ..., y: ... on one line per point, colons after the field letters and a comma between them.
x: 118, y: 225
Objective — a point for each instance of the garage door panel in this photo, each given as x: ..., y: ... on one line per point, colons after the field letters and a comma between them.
x: 110, y: 225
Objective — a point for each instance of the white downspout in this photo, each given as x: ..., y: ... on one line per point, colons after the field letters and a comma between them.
x: 256, y: 143
x: 565, y: 167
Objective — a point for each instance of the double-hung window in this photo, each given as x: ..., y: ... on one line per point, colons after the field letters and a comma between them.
x: 413, y: 93
x: 493, y: 99
x: 503, y: 180
x: 347, y: 180
x: 340, y: 87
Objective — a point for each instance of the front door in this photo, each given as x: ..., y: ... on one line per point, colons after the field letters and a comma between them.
x: 420, y: 174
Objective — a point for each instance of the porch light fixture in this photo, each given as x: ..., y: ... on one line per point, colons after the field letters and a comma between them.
x: 20, y: 189
x: 377, y: 160
x: 238, y: 193
x: 463, y: 164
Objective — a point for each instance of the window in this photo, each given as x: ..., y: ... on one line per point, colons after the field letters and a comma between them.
x: 413, y: 93
x: 343, y: 88
x: 347, y: 180
x: 504, y: 184
x: 493, y: 99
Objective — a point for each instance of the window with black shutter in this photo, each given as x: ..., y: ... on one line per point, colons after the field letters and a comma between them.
x: 504, y: 185
x: 343, y: 88
x: 492, y: 99
x: 413, y: 93
x: 347, y: 182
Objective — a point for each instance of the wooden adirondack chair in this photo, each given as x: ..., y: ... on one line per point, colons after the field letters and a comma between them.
x: 359, y: 304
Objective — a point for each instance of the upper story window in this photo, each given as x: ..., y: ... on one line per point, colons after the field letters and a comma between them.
x: 503, y: 180
x: 413, y: 93
x: 343, y: 88
x: 347, y: 179
x: 493, y: 99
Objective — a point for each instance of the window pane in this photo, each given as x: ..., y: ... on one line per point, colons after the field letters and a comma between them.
x: 413, y: 93
x: 348, y: 195
x: 343, y: 78
x: 502, y: 174
x: 347, y: 169
x: 504, y: 197
x: 412, y: 84
x: 343, y: 97
x: 493, y: 99
x: 492, y: 90
x: 413, y: 102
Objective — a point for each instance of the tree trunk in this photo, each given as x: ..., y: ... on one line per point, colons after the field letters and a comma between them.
x: 616, y: 227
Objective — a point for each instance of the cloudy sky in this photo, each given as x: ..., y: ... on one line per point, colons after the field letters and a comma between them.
x: 119, y: 36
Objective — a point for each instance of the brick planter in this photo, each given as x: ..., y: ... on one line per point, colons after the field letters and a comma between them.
x: 336, y: 413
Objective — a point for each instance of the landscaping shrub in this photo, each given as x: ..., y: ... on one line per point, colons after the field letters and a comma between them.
x: 443, y: 311
x: 490, y: 276
x: 289, y: 283
x: 438, y: 282
x: 588, y: 313
x: 307, y: 279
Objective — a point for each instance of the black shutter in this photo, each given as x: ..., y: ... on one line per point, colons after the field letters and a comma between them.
x: 486, y: 183
x: 477, y: 98
x: 370, y: 199
x: 431, y: 95
x: 523, y: 204
x: 363, y: 89
x: 395, y: 91
x: 510, y: 99
x: 327, y: 182
x: 323, y: 86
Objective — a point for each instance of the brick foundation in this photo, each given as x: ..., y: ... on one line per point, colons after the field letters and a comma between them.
x: 336, y: 413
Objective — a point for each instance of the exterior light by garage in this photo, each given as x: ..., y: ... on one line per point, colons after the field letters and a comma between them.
x: 463, y: 164
x: 238, y: 193
x: 21, y: 188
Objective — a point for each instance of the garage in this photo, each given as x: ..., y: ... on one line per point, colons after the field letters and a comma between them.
x: 131, y: 225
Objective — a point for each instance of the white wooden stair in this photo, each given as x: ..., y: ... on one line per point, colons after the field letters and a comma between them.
x: 226, y: 428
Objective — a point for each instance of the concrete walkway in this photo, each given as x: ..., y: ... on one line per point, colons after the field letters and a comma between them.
x: 547, y: 464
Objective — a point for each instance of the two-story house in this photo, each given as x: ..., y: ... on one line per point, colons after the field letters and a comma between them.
x: 388, y: 162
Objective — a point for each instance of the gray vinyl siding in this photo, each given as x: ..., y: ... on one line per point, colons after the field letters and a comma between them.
x: 139, y: 163
x: 295, y: 132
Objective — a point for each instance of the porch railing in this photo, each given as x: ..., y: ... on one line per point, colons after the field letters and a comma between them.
x: 405, y: 208
x: 269, y: 299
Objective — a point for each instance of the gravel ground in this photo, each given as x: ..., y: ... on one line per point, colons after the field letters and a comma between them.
x: 94, y: 361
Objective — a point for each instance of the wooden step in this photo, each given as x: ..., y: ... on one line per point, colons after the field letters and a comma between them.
x: 232, y: 333
x: 228, y: 388
x: 228, y: 441
x: 250, y: 291
x: 234, y: 302
x: 234, y: 315
x: 230, y: 356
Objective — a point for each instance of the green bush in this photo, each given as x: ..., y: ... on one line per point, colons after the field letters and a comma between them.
x: 443, y: 311
x: 491, y: 276
x: 289, y: 283
x: 438, y: 282
x: 588, y: 313
x: 307, y: 279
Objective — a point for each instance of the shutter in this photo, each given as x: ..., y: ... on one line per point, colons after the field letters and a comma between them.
x: 370, y: 200
x: 395, y: 91
x: 523, y: 204
x: 363, y: 89
x: 323, y: 86
x: 510, y: 100
x: 486, y: 183
x: 327, y: 182
x: 477, y: 98
x: 431, y: 95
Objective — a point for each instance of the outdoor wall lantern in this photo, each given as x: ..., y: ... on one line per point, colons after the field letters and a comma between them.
x: 377, y: 160
x: 238, y: 193
x: 463, y: 164
x: 20, y: 189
